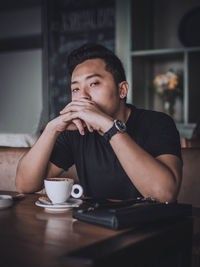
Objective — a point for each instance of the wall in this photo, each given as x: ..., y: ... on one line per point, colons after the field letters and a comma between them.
x: 71, y: 24
x: 28, y: 100
x: 21, y: 93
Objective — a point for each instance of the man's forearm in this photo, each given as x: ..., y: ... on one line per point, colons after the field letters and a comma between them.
x: 155, y: 178
x: 32, y: 167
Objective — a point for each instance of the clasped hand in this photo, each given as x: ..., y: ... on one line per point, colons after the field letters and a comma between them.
x: 82, y: 113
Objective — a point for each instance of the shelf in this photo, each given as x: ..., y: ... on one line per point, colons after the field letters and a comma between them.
x: 156, y: 52
x: 185, y: 129
x: 154, y: 47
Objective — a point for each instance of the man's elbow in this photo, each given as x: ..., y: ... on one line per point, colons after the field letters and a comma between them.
x: 167, y: 195
x: 23, y: 186
x: 19, y: 184
x: 26, y: 189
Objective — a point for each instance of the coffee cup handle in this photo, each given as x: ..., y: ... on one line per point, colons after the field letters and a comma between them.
x: 79, y: 188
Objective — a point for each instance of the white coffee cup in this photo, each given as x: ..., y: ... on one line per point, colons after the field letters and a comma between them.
x: 59, y: 190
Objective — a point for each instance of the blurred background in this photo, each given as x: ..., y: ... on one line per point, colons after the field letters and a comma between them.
x: 158, y: 42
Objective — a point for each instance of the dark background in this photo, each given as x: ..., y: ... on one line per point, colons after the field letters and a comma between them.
x: 71, y: 24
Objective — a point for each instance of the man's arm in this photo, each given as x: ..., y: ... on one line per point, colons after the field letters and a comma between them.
x: 159, y: 177
x: 34, y: 166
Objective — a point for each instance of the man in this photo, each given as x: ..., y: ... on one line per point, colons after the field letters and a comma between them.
x: 120, y: 151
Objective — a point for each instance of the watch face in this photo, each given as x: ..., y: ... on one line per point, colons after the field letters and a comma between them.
x: 120, y: 126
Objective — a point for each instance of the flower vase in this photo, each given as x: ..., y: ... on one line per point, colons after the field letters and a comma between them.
x: 169, y: 108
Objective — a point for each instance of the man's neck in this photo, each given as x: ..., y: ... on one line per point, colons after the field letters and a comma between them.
x: 124, y: 113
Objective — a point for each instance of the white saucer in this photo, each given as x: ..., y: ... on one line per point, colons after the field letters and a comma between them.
x: 6, y: 201
x: 71, y: 203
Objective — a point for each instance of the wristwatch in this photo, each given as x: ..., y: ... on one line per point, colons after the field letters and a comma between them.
x: 118, y: 126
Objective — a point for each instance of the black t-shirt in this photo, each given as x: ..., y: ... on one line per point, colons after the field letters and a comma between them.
x: 98, y: 168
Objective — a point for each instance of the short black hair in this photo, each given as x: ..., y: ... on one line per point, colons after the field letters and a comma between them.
x: 92, y: 51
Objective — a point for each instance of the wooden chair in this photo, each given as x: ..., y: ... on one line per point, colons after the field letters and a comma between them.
x: 186, y: 142
x: 190, y: 188
x: 9, y: 158
x: 194, y: 141
x: 189, y: 192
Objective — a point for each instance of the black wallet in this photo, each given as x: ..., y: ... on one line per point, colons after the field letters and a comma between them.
x: 127, y: 213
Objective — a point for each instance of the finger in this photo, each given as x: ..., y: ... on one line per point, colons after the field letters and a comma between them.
x: 72, y: 108
x: 76, y: 104
x: 82, y: 100
x: 80, y: 126
x: 74, y: 120
x: 90, y: 128
x: 74, y: 125
x: 71, y: 127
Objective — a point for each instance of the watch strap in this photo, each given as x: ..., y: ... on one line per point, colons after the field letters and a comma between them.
x: 112, y: 131
x: 118, y: 126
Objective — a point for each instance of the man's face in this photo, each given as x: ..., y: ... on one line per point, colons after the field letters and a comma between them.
x: 91, y: 81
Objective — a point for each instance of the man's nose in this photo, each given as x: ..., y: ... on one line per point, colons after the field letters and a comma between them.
x: 85, y: 93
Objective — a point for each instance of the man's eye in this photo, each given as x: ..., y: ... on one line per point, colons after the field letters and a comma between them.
x: 94, y: 84
x: 75, y: 90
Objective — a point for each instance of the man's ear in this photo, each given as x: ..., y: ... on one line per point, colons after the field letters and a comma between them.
x: 123, y: 89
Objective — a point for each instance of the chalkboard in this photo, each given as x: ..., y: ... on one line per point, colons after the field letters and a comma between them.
x: 71, y: 24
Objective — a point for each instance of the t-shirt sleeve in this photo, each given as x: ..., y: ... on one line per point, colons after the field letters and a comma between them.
x: 163, y: 136
x: 62, y: 155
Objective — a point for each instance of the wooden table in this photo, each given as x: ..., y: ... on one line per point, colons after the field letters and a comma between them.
x: 29, y: 236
